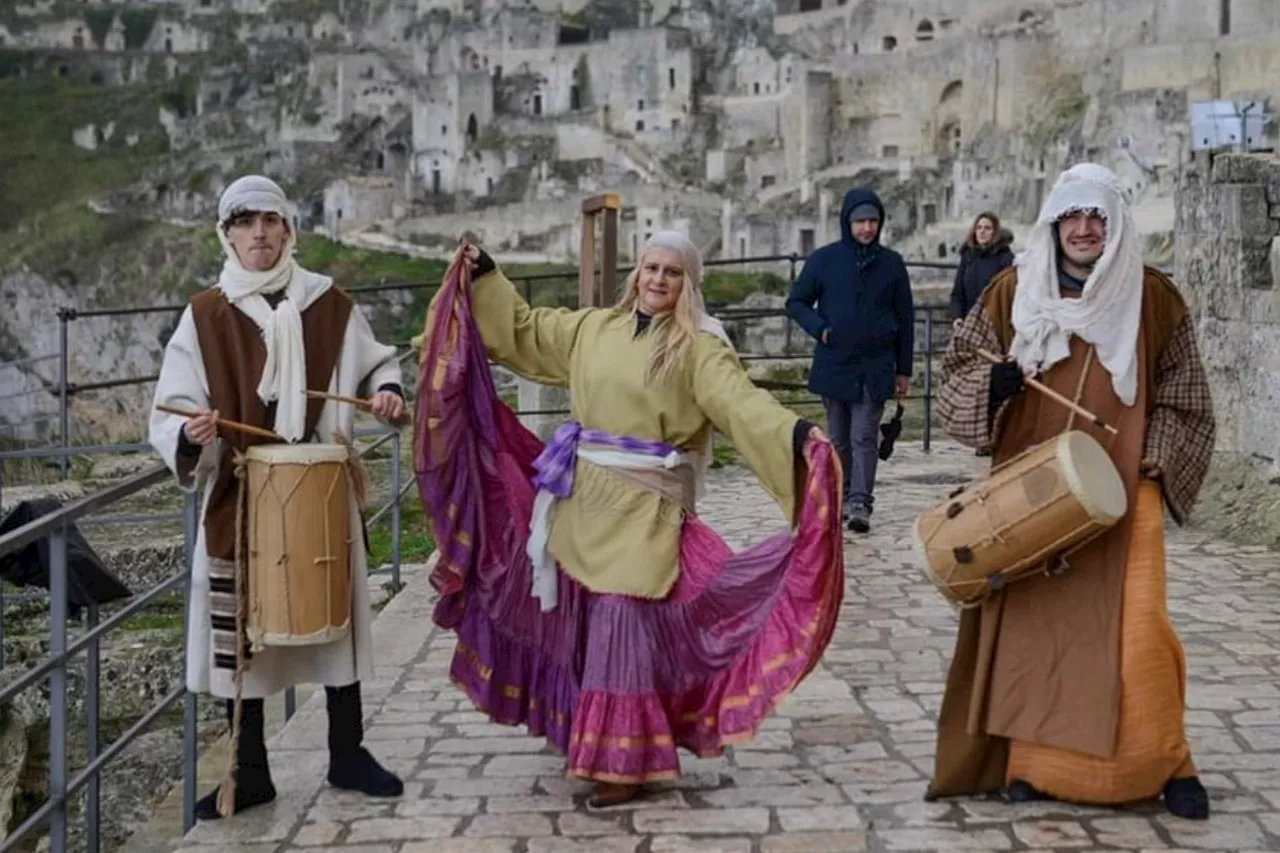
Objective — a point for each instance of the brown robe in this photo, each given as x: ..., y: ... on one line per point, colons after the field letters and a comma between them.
x: 1039, y: 660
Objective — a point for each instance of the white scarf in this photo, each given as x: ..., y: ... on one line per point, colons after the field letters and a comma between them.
x: 284, y: 375
x: 1107, y: 313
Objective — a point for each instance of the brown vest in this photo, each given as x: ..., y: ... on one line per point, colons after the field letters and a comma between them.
x: 233, y: 355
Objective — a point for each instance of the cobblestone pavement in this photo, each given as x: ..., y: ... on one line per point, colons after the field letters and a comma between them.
x: 843, y: 764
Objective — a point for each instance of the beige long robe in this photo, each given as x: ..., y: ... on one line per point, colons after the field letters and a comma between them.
x: 362, y: 364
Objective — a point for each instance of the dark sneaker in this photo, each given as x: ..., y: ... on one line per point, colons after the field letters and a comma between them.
x: 859, y: 519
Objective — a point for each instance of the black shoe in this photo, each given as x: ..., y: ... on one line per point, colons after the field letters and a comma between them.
x: 859, y: 520
x: 1187, y: 798
x: 351, y: 767
x: 253, y: 788
x: 360, y: 771
x: 1022, y: 792
x: 252, y: 773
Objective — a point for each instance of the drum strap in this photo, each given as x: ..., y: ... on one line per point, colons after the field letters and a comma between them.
x: 1084, y: 376
x: 356, y: 474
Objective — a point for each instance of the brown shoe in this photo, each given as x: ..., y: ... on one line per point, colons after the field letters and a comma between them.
x: 608, y: 794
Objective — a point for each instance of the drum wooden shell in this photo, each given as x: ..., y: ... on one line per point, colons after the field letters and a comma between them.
x: 1044, y: 503
x: 299, y: 529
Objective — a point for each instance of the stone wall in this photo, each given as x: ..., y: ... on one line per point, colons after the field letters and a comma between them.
x: 1227, y: 260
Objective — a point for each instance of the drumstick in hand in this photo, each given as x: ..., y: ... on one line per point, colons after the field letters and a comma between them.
x: 1049, y: 392
x: 325, y: 395
x: 222, y: 422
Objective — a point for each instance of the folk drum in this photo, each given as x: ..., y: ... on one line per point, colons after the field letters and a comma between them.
x: 299, y: 528
x: 1024, y: 518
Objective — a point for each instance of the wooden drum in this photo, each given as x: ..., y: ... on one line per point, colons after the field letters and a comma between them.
x: 299, y: 529
x: 1027, y: 513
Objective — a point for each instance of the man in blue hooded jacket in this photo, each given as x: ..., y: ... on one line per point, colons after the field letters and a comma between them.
x: 854, y: 297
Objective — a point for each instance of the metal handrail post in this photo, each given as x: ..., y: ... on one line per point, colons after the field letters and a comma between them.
x: 791, y: 283
x: 58, y: 689
x: 190, y: 702
x: 395, y: 511
x: 93, y: 717
x: 64, y: 396
x: 928, y: 377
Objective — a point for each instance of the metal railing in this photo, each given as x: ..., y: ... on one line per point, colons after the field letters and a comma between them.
x: 54, y: 527
x: 53, y: 667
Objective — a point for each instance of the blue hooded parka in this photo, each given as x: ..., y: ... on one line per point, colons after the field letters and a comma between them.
x: 862, y: 295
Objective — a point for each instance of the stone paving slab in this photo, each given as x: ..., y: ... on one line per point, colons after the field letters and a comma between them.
x: 841, y: 767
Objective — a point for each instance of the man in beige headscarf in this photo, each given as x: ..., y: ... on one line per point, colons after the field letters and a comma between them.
x: 1071, y: 686
x: 248, y: 349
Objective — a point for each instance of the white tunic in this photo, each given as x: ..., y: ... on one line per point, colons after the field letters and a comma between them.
x: 363, y: 365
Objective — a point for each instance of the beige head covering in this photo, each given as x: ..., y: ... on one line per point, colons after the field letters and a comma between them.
x: 284, y: 373
x: 1108, y: 311
x: 692, y: 258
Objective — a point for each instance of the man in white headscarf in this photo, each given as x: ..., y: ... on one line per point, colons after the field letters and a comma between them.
x: 247, y: 350
x: 1071, y: 685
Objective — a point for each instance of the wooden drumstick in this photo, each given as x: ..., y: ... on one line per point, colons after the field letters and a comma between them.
x: 222, y: 422
x: 325, y: 395
x: 1049, y: 392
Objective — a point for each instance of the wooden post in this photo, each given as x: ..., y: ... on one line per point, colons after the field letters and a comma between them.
x: 608, y: 204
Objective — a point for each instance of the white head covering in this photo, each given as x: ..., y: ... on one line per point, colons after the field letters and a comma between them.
x: 1108, y: 311
x: 692, y: 258
x: 284, y: 374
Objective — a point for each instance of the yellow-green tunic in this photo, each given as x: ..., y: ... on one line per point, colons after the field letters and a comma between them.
x: 612, y: 535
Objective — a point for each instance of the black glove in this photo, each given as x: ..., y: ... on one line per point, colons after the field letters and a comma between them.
x: 484, y: 263
x: 1006, y: 381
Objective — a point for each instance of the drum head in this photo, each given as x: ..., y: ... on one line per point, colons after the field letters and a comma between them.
x: 303, y: 453
x: 1092, y: 476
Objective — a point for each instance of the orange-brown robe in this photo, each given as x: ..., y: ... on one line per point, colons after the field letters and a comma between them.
x: 1040, y: 684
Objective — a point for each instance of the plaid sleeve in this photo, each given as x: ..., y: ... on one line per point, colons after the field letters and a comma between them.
x: 966, y: 383
x: 1180, y: 431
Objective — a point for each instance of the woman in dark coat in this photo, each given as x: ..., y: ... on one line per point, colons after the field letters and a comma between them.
x: 986, y: 251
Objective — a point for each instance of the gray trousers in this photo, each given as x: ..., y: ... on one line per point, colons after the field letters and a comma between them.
x: 854, y: 429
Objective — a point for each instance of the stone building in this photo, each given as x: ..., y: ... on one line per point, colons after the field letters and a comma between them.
x: 1227, y: 265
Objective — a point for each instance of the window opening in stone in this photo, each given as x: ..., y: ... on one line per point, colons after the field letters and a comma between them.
x: 924, y: 32
x: 889, y: 43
